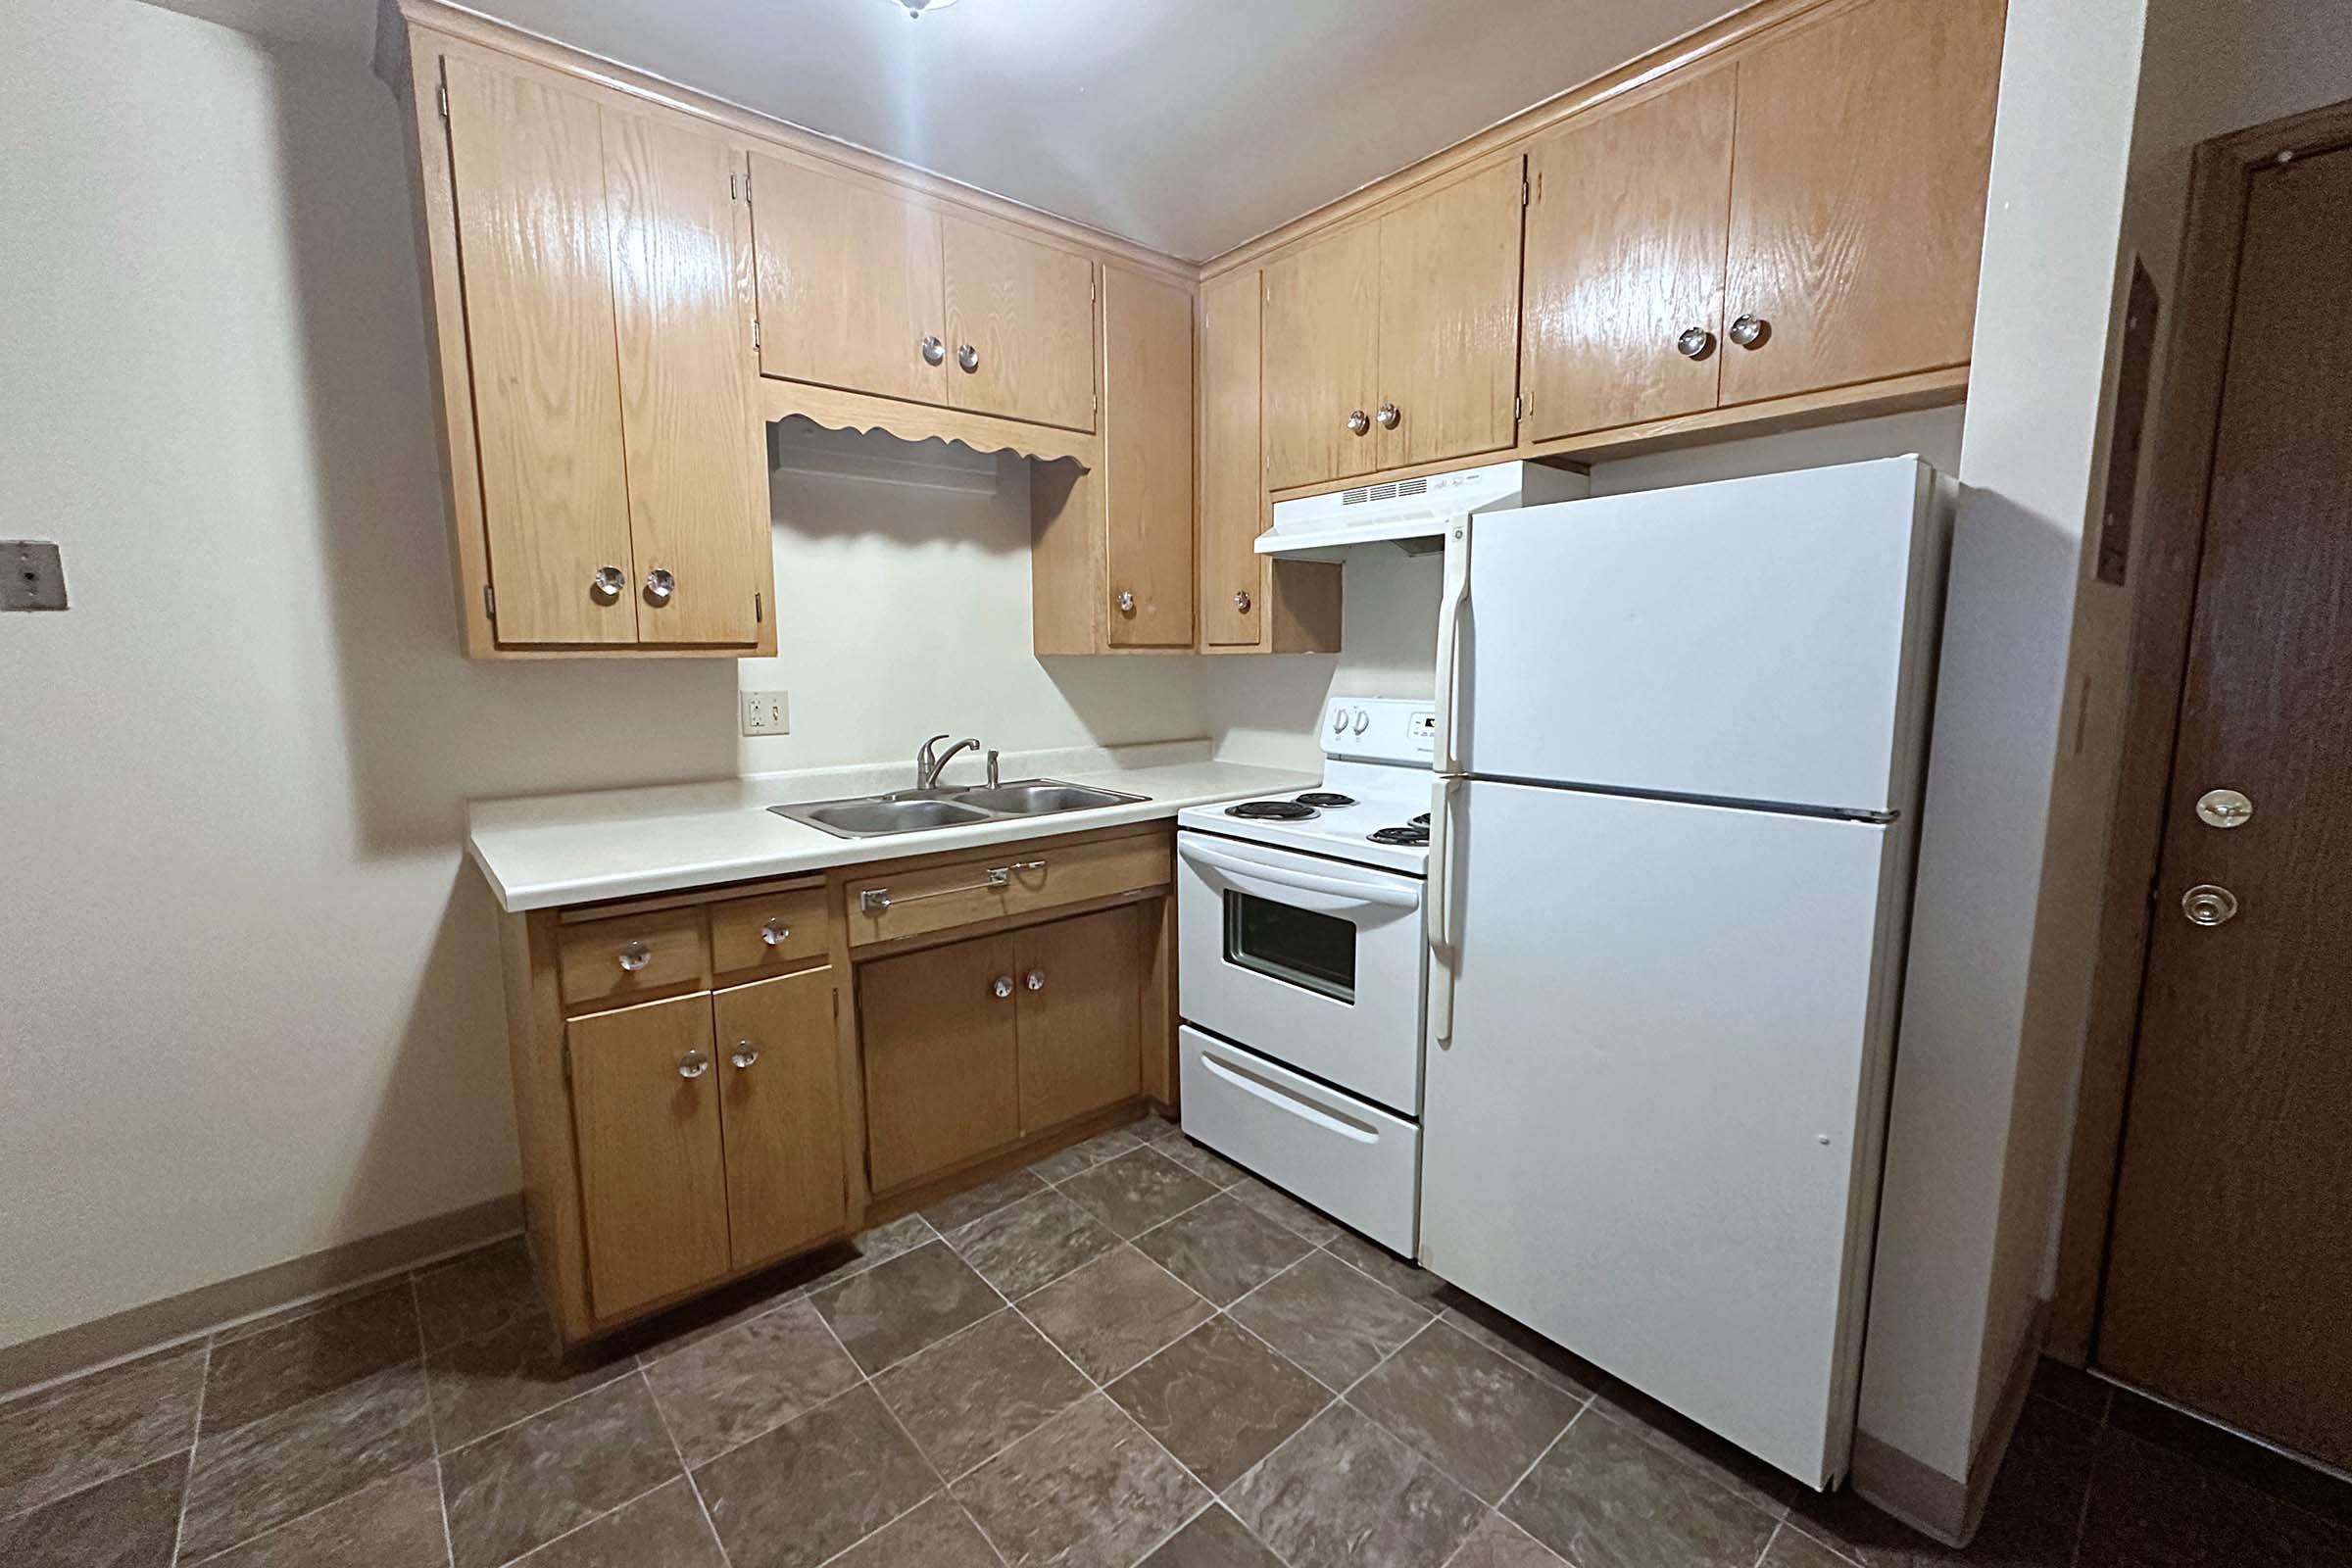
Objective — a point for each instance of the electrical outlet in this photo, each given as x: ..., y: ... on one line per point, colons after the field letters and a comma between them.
x: 767, y: 714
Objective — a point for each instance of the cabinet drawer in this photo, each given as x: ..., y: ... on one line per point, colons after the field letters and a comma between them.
x: 1019, y: 879
x: 630, y: 956
x: 769, y: 932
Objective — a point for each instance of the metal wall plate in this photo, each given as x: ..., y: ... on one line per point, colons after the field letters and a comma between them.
x: 31, y: 576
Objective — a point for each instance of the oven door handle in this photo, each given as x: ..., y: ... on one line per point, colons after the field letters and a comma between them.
x: 1305, y: 889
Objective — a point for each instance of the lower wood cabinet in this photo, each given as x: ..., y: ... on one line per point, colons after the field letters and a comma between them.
x: 1078, y: 1010
x: 779, y: 1102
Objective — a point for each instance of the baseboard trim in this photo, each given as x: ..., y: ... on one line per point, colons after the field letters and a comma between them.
x: 1946, y: 1507
x: 194, y: 1313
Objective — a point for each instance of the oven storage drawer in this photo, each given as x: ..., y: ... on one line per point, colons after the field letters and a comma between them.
x: 1355, y: 1161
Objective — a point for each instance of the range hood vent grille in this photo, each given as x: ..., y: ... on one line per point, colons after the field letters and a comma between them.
x: 1411, y: 514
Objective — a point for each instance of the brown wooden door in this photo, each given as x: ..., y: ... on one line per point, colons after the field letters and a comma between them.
x: 652, y: 1181
x: 1450, y: 321
x: 1081, y: 990
x: 1020, y: 326
x: 1864, y: 143
x: 941, y: 1082
x: 2230, y: 1261
x: 1232, y: 463
x: 849, y: 282
x: 1625, y: 247
x: 780, y: 1104
x: 694, y: 435
x: 1148, y: 458
x: 1322, y: 358
x: 526, y: 160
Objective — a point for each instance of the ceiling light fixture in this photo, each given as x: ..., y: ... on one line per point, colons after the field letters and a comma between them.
x: 915, y: 8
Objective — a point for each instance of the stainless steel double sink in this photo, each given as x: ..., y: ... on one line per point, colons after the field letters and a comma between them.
x: 871, y: 817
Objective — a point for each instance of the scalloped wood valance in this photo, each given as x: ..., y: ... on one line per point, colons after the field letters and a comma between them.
x: 919, y: 421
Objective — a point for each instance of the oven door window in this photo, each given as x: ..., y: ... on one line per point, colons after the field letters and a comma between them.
x: 1301, y: 946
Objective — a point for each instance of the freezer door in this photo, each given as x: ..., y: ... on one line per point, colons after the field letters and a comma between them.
x: 1654, y: 1133
x: 1766, y: 639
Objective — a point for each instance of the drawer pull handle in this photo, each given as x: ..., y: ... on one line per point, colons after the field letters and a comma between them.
x: 874, y: 900
x: 775, y: 933
x: 635, y: 955
x: 745, y: 1052
x: 693, y: 1064
x: 1001, y: 984
x: 1036, y: 979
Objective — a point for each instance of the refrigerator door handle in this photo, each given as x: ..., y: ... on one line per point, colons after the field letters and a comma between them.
x: 1456, y: 600
x: 1442, y: 934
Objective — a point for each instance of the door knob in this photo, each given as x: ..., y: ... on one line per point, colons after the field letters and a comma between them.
x: 1694, y: 343
x: 2207, y: 905
x: 660, y: 585
x: 775, y: 933
x: 607, y: 584
x: 968, y: 358
x: 1240, y: 601
x: 1001, y: 984
x: 2225, y: 808
x: 1749, y: 332
x: 693, y: 1064
x: 1387, y: 415
x: 745, y: 1052
x: 1358, y: 422
x: 934, y: 351
x: 635, y: 955
x: 1037, y: 980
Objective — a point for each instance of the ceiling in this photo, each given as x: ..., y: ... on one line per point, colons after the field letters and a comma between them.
x: 1189, y: 126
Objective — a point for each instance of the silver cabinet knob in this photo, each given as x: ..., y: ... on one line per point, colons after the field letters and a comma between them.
x: 934, y: 351
x: 694, y: 1064
x: 2207, y: 905
x: 1125, y: 601
x: 775, y: 933
x: 967, y: 358
x: 607, y: 584
x: 1358, y: 422
x: 1694, y: 343
x: 660, y: 585
x: 1750, y: 330
x: 2225, y: 808
x: 745, y: 1052
x: 1001, y: 984
x: 1240, y: 601
x: 635, y: 955
x: 1037, y: 980
x: 1387, y: 415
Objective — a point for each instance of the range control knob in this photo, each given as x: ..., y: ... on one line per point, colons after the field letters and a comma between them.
x: 1339, y: 721
x: 1363, y: 721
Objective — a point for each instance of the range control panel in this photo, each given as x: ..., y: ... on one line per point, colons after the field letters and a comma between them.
x: 1380, y: 729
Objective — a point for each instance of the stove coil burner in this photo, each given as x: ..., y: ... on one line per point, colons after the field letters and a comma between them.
x: 1325, y: 798
x: 1422, y: 820
x: 1400, y: 835
x: 1271, y: 810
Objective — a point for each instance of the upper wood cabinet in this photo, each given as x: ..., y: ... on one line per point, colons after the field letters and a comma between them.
x: 590, y: 271
x: 1020, y: 324
x: 1322, y: 360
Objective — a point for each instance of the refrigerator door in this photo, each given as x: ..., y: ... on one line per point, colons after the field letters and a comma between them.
x: 1767, y: 639
x: 1654, y: 1133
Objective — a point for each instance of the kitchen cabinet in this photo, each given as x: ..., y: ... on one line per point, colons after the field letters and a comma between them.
x: 780, y: 1108
x: 1020, y: 318
x: 1079, y: 1015
x: 1396, y: 341
x: 940, y: 1029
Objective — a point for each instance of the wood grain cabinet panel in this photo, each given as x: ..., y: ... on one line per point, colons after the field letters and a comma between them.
x: 780, y: 1105
x: 849, y: 282
x: 1080, y: 1011
x: 1233, y: 470
x: 652, y: 1177
x: 1322, y: 358
x: 1626, y: 229
x: 1020, y: 326
x: 941, y: 1081
x: 772, y: 931
x: 630, y: 956
x: 534, y: 235
x: 1864, y: 148
x: 1148, y: 458
x: 1450, y: 321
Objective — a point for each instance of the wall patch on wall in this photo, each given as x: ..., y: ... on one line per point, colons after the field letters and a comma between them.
x: 31, y: 576
x: 2130, y: 424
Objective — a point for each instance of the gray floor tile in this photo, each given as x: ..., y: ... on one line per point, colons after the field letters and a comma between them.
x: 266, y: 1472
x: 2072, y: 1387
x: 968, y: 1396
x: 1497, y: 1543
x: 513, y: 1371
x: 1604, y: 1497
x: 2152, y: 1508
x: 1219, y: 1400
x: 893, y: 1311
x: 937, y: 1535
x: 1214, y: 1538
x: 1514, y: 1341
x: 1205, y: 1163
x: 1478, y: 1419
x: 1408, y: 1280
x: 952, y: 1213
x: 131, y: 1521
x: 663, y: 1529
x: 1087, y: 1490
x: 264, y: 1373
x: 731, y: 1387
x: 468, y: 1297
x: 1108, y: 1314
x: 78, y: 1434
x: 1032, y: 1242
x: 1137, y: 1191
x: 814, y: 1486
x: 1222, y: 1248
x: 1792, y: 1549
x: 1329, y: 1318
x: 1300, y: 1219
x: 1343, y: 1493
x: 1082, y: 1156
x: 867, y: 1249
x: 531, y: 1483
x: 396, y: 1523
x: 1686, y: 1441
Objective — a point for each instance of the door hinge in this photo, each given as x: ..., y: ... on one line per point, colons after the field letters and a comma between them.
x: 1523, y: 190
x: 490, y: 602
x: 758, y: 611
x: 441, y: 99
x: 732, y: 194
x: 755, y: 334
x: 1519, y: 406
x: 568, y: 1063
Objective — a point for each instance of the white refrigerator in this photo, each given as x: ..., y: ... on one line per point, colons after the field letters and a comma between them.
x: 1681, y: 739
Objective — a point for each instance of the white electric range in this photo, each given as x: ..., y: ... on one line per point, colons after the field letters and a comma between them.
x: 1301, y: 952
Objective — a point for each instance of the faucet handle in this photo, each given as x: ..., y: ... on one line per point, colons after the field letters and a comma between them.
x: 992, y: 767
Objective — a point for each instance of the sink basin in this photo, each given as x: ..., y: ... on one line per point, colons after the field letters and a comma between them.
x: 867, y: 817
x: 1037, y: 797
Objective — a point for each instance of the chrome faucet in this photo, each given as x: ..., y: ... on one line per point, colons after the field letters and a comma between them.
x: 927, y: 762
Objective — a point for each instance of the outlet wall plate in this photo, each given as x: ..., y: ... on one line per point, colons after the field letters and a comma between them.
x: 31, y: 575
x: 767, y: 714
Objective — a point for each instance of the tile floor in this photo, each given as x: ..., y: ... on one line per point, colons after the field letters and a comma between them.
x: 1129, y: 1353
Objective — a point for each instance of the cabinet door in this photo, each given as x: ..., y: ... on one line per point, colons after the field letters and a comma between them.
x: 526, y: 163
x: 1020, y: 326
x: 1322, y: 358
x: 1081, y: 1012
x: 1450, y: 321
x: 695, y: 441
x: 1148, y: 458
x: 849, y: 283
x: 940, y: 1075
x: 653, y: 1183
x: 1864, y: 145
x: 1625, y: 242
x: 780, y: 1098
x: 1233, y: 467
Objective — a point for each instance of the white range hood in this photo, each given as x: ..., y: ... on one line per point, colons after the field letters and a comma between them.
x: 1411, y: 514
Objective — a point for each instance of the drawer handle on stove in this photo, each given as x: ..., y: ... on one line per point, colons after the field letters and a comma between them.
x: 1248, y: 1084
x: 1278, y: 881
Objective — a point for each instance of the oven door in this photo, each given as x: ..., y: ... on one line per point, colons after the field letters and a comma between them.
x: 1315, y: 964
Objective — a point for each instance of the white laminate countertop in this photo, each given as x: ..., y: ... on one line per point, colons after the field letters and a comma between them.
x: 543, y: 851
